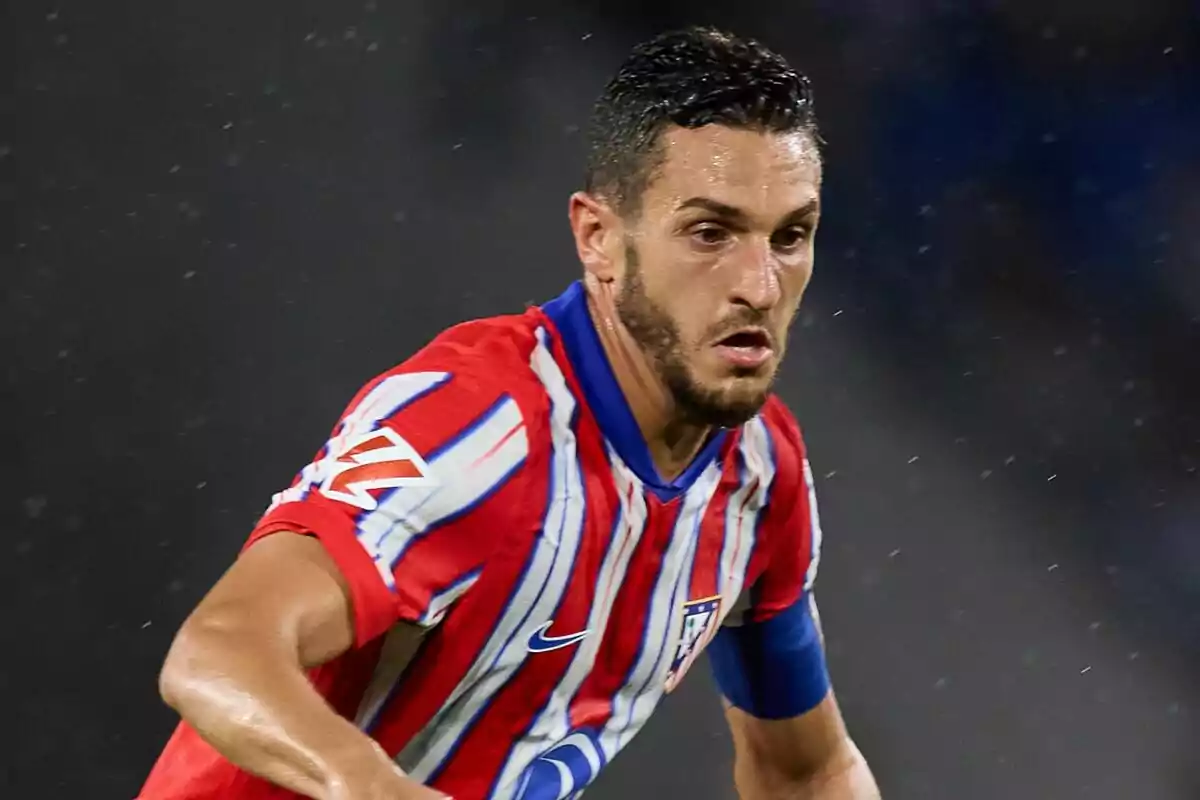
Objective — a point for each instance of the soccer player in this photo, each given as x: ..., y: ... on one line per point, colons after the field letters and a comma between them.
x: 517, y: 541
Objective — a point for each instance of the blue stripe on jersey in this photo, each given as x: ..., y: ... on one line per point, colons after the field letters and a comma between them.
x: 376, y: 422
x: 414, y: 398
x: 372, y: 721
x: 557, y: 463
x: 518, y: 584
x: 688, y: 566
x: 434, y: 525
x: 772, y: 458
x: 607, y: 402
x: 743, y: 474
x: 453, y: 587
x: 772, y: 669
x: 769, y: 495
x: 642, y: 641
x: 756, y: 589
x: 469, y: 428
x: 432, y: 458
x: 533, y: 720
x: 387, y: 493
x: 433, y: 454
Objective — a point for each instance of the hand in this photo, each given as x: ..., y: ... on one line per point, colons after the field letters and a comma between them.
x: 377, y: 778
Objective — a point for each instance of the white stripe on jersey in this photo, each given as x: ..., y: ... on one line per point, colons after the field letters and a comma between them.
x: 814, y: 520
x: 389, y: 396
x: 646, y: 684
x: 542, y: 586
x: 554, y: 722
x: 465, y: 471
x: 744, y: 509
x: 399, y: 646
x: 441, y: 602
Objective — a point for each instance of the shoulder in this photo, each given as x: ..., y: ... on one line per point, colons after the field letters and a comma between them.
x: 477, y: 362
x: 493, y: 350
x: 472, y: 393
x: 788, y: 452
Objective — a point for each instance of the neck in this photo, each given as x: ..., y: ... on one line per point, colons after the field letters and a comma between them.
x: 672, y: 441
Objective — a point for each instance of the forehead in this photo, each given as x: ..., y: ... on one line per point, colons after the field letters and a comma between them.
x: 744, y: 168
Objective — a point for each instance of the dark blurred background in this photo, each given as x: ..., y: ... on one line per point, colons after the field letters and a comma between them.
x: 225, y: 217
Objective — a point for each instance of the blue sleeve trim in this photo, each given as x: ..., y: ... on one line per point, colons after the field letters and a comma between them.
x: 773, y: 669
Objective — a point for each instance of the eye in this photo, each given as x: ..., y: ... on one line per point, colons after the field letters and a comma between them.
x: 790, y: 238
x: 709, y: 235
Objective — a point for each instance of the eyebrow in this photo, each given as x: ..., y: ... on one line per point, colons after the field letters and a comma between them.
x: 734, y: 213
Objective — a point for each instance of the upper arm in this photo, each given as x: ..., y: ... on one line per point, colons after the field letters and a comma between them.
x: 392, y: 496
x: 769, y: 660
x: 286, y: 593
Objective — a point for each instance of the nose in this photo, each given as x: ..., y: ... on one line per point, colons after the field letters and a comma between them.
x: 757, y: 278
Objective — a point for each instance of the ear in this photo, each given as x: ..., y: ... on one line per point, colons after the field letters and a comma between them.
x: 596, y: 230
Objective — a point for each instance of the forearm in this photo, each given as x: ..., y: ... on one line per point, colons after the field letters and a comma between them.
x: 847, y: 777
x: 249, y: 698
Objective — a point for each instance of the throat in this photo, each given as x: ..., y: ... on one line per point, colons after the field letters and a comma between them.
x: 677, y: 447
x: 673, y: 441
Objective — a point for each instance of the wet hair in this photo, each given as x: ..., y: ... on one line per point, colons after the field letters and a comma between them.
x: 688, y: 78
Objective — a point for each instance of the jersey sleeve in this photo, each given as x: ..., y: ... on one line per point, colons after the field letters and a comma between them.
x: 791, y: 570
x: 768, y: 659
x: 399, y: 493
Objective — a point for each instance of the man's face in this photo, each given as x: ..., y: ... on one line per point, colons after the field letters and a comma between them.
x: 716, y: 262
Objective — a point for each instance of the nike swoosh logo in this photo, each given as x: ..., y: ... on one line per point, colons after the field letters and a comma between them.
x: 540, y: 643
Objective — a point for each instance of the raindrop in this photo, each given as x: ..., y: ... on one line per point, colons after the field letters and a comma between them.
x: 34, y: 506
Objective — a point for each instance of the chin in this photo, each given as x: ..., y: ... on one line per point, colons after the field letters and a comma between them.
x: 726, y: 404
x: 732, y: 414
x: 746, y: 387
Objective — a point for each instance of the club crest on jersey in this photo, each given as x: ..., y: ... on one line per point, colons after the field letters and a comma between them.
x: 701, y: 619
x: 378, y: 459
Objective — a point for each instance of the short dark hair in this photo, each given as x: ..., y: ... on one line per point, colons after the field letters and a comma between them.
x: 689, y: 78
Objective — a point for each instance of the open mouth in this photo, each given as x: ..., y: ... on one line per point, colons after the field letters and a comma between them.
x: 747, y: 349
x: 750, y: 339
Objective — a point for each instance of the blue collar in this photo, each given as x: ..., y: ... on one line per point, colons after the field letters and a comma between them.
x: 603, y: 395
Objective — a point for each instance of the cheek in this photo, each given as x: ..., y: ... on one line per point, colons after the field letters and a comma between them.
x: 684, y: 312
x: 795, y: 279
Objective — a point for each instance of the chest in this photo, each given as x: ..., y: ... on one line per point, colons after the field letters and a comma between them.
x: 600, y: 598
x: 620, y: 588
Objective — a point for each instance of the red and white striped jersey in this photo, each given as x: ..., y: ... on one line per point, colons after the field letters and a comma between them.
x: 495, y: 490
